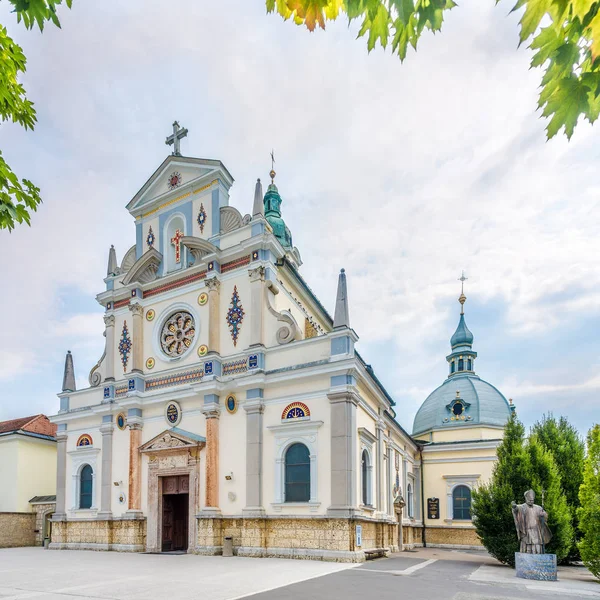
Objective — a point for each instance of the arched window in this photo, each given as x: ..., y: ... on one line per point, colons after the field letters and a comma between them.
x: 461, y: 364
x: 366, y: 478
x: 409, y: 494
x: 85, y: 487
x: 469, y: 364
x: 452, y: 367
x: 297, y: 473
x: 461, y: 503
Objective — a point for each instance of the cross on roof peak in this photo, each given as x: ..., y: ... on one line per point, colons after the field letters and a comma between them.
x: 175, y: 138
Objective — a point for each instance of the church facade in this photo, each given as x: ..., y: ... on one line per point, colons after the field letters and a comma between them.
x: 229, y: 407
x: 227, y: 403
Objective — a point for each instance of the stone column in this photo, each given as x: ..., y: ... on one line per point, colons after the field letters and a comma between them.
x: 343, y: 453
x: 254, y: 453
x: 106, y: 429
x: 212, y: 412
x: 379, y: 477
x: 257, y: 304
x: 135, y: 468
x: 109, y: 322
x: 214, y: 323
x: 60, y: 513
x: 138, y: 338
x: 391, y: 477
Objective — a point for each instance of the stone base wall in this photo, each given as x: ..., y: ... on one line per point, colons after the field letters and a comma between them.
x: 123, y: 535
x: 310, y: 538
x: 451, y: 537
x: 411, y: 537
x: 17, y: 529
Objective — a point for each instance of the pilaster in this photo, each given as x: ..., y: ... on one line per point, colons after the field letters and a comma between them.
x: 109, y: 322
x: 138, y: 333
x: 214, y: 323
x: 106, y: 429
x: 257, y: 304
x: 254, y: 408
x: 343, y: 405
x: 134, y: 422
x: 379, y: 476
x: 60, y: 513
x: 212, y: 412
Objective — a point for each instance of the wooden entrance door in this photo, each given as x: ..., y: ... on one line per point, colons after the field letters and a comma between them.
x: 175, y: 513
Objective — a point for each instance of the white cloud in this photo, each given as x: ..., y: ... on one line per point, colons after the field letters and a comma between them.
x: 403, y: 174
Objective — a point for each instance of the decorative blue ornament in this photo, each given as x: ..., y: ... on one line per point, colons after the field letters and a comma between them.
x: 235, y: 315
x: 125, y: 346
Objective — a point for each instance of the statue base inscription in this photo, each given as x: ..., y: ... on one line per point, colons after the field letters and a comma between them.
x: 541, y: 567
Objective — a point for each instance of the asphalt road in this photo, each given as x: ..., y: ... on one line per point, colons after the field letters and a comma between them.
x: 424, y: 580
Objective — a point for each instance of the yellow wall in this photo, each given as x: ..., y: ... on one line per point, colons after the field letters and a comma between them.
x: 27, y: 469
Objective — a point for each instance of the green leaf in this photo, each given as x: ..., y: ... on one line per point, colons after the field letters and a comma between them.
x: 534, y: 11
x: 567, y: 103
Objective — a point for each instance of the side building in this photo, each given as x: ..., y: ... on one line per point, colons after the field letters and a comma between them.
x: 227, y: 402
x: 27, y: 480
x: 459, y: 427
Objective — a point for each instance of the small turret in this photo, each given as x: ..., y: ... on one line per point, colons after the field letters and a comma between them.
x: 463, y: 357
x: 258, y: 209
x: 341, y: 316
x: 112, y: 268
x: 69, y: 375
x: 272, y: 204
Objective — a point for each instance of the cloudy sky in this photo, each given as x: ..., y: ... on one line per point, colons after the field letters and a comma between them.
x: 404, y: 174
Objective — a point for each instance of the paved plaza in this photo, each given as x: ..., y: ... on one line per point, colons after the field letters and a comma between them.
x: 34, y: 573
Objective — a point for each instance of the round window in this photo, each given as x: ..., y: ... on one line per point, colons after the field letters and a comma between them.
x: 177, y: 334
x: 458, y: 408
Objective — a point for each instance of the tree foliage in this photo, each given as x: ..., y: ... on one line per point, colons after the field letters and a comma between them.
x: 567, y: 47
x: 522, y: 464
x: 589, y: 511
x: 19, y: 197
x: 563, y: 441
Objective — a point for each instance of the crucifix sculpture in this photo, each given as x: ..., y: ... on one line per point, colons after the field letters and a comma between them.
x: 176, y: 241
x: 175, y: 138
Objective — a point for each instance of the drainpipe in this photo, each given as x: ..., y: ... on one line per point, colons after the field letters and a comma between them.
x: 423, y: 534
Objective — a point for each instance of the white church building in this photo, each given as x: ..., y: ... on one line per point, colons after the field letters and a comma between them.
x: 229, y: 404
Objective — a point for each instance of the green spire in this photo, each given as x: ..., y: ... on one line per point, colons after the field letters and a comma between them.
x: 272, y: 203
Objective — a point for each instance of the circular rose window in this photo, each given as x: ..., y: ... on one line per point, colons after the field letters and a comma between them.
x: 177, y: 334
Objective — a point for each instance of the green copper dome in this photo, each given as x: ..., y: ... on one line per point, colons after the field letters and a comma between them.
x: 272, y: 203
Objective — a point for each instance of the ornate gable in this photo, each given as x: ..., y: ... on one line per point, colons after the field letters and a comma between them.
x: 173, y: 439
x: 177, y: 175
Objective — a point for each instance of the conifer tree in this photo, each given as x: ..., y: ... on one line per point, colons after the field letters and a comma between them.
x: 492, y: 514
x: 568, y: 450
x: 546, y: 483
x: 522, y: 464
x: 589, y: 511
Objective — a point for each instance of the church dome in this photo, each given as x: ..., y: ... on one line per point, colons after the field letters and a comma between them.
x: 464, y: 399
x: 272, y: 203
x: 482, y: 404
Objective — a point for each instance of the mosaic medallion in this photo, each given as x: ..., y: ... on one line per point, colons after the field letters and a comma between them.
x: 231, y: 404
x: 203, y: 350
x: 173, y: 413
x: 177, y: 334
x: 150, y: 362
x: 295, y: 410
x: 125, y: 346
x: 174, y: 180
x: 121, y: 422
x: 235, y: 315
x: 202, y: 218
x: 85, y: 440
x: 150, y: 314
x: 202, y: 298
x: 151, y: 238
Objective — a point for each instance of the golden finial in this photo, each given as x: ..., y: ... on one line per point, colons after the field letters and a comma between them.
x: 462, y: 298
x: 458, y: 393
x: 272, y: 172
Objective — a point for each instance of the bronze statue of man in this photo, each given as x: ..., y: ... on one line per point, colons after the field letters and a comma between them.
x: 531, y: 524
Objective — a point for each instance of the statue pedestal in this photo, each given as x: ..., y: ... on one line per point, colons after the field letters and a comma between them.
x: 541, y: 567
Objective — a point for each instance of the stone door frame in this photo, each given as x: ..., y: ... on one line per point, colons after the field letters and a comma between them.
x: 167, y: 460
